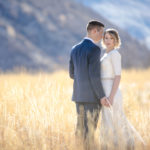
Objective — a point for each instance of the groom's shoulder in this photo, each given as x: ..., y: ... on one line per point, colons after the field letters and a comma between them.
x: 93, y: 47
x: 77, y: 45
x: 88, y: 45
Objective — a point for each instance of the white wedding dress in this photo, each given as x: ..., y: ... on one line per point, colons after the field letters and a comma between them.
x: 116, y: 130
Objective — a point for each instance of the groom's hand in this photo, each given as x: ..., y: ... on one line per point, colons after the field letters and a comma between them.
x: 103, y: 101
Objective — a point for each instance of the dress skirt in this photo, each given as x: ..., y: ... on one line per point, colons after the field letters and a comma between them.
x: 116, y: 131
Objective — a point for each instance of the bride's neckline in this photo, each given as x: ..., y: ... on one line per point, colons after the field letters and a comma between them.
x: 110, y: 51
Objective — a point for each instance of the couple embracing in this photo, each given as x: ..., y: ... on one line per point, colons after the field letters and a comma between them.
x: 96, y: 88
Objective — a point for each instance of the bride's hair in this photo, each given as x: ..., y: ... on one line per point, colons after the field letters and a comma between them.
x: 115, y: 35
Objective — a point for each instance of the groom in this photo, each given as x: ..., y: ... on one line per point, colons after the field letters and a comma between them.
x: 88, y: 93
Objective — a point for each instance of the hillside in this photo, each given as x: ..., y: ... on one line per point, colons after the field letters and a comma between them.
x: 38, y: 35
x: 136, y: 21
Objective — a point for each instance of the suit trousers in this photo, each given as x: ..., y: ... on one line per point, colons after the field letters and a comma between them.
x: 87, y: 119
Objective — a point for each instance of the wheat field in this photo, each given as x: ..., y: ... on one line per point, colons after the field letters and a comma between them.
x: 36, y: 111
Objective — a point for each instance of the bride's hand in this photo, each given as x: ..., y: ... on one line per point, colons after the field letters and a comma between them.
x: 110, y: 100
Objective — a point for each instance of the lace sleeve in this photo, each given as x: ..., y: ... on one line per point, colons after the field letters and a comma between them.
x: 116, y: 62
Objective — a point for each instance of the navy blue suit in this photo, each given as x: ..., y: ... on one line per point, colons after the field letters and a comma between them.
x: 84, y: 69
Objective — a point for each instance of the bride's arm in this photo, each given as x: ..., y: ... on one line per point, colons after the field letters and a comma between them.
x: 114, y: 88
x: 116, y: 63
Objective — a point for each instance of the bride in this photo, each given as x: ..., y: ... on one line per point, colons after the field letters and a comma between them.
x: 116, y: 131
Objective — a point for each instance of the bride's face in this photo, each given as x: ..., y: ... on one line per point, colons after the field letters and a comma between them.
x: 109, y: 41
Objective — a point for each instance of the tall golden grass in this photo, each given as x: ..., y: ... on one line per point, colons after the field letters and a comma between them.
x: 36, y: 111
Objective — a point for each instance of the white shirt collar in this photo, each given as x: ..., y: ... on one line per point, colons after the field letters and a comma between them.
x: 89, y: 39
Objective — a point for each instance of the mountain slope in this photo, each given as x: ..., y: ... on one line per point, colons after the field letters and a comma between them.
x: 39, y: 34
x: 136, y: 21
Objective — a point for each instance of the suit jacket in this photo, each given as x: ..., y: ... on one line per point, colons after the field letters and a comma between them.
x: 84, y: 68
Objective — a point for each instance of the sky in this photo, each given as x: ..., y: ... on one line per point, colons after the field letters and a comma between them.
x: 131, y: 15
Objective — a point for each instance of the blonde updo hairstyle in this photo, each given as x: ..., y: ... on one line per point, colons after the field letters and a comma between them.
x: 115, y: 35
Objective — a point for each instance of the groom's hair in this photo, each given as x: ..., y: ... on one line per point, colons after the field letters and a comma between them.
x: 94, y: 24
